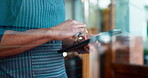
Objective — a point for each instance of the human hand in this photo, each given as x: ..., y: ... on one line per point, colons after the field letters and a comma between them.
x: 67, y: 29
x: 87, y: 48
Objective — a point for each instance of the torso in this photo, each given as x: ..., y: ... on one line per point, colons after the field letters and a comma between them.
x: 42, y: 61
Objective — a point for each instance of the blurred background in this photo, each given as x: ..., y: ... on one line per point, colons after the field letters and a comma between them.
x: 125, y: 55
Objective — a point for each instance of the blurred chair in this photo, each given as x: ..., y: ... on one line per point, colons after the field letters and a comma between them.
x: 123, y: 58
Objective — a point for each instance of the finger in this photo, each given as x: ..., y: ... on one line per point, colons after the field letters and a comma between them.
x: 88, y: 36
x: 97, y: 43
x: 83, y: 37
x: 76, y: 22
x: 73, y: 21
x: 84, y: 34
x: 79, y: 22
x: 81, y: 26
x: 86, y: 30
x: 86, y: 49
x: 82, y: 30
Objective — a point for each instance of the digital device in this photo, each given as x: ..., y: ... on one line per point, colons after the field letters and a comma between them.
x: 102, y: 37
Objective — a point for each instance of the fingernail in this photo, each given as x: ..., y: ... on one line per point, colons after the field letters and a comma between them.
x: 86, y: 31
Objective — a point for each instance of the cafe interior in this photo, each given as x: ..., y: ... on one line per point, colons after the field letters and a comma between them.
x: 123, y: 55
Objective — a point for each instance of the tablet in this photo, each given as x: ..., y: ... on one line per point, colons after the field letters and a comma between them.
x: 102, y: 37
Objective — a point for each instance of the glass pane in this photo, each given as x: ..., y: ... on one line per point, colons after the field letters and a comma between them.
x: 130, y: 16
x: 127, y: 51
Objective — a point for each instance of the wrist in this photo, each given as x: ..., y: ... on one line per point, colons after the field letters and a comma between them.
x: 52, y: 34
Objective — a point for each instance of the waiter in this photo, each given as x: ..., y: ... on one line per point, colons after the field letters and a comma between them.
x: 31, y: 33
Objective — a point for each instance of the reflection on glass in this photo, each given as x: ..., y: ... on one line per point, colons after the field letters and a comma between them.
x: 128, y: 50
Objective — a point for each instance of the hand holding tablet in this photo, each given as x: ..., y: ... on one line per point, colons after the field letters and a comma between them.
x: 102, y: 37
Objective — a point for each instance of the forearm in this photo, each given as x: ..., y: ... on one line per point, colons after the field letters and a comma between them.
x: 17, y: 42
x: 8, y: 51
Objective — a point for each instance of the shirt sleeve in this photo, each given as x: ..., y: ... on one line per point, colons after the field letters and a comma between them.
x: 2, y: 33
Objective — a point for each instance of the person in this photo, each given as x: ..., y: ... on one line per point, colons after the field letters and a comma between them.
x: 31, y: 33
